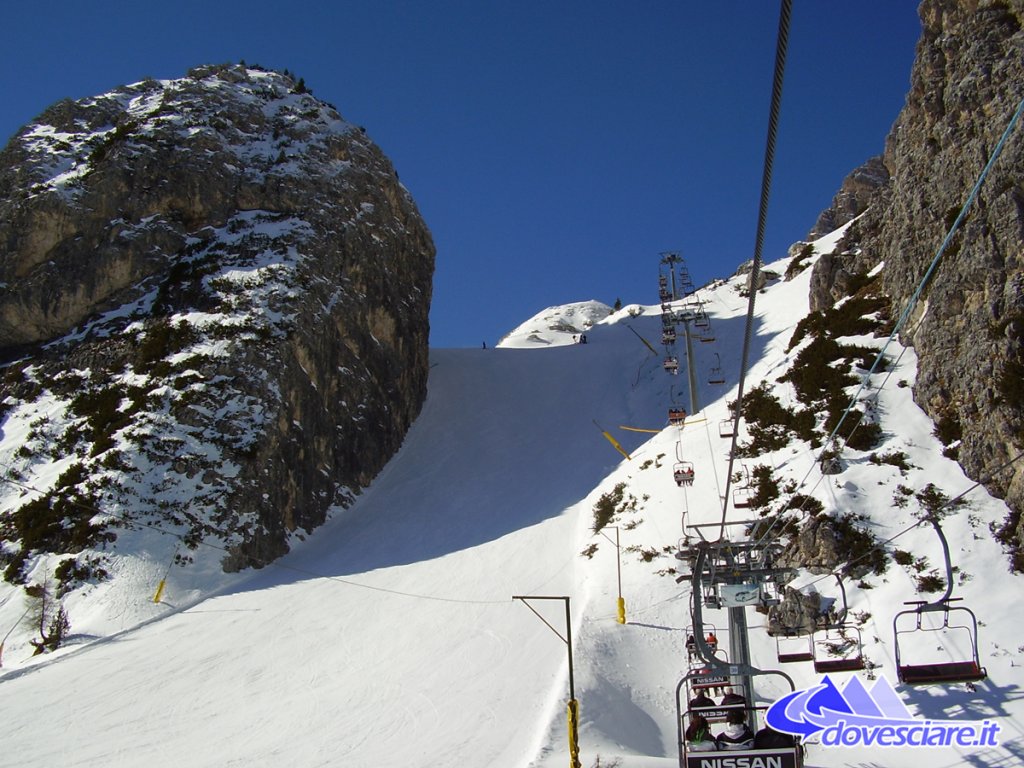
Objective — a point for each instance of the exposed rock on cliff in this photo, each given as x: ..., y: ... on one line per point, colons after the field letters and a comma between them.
x: 853, y: 197
x: 967, y: 329
x: 215, y: 312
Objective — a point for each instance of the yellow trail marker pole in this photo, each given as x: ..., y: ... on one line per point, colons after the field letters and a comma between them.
x: 574, y: 706
x: 621, y: 602
x: 573, y: 711
x: 613, y: 441
x: 163, y: 582
x: 645, y: 341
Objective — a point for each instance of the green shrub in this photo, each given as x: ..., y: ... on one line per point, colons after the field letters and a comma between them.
x: 858, y: 548
x: 902, y: 557
x: 766, y: 486
x: 606, y: 506
x: 806, y: 504
x: 930, y: 582
x: 895, y: 458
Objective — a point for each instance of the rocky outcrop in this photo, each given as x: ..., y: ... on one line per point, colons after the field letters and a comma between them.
x: 226, y: 289
x: 967, y: 81
x: 796, y: 614
x: 853, y: 198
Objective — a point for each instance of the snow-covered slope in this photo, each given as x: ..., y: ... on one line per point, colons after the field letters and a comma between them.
x: 557, y: 326
x: 390, y: 637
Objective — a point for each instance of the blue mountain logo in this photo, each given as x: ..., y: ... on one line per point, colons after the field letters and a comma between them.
x: 855, y: 716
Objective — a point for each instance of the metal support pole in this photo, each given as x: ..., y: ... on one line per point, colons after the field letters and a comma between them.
x: 573, y: 708
x: 621, y: 603
x: 739, y: 651
x: 690, y: 371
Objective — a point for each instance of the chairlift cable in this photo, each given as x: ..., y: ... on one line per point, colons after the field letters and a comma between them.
x: 762, y: 216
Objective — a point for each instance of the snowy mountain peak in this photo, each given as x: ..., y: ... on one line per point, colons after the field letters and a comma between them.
x: 557, y: 326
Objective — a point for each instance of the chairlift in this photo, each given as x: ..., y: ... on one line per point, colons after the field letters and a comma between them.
x: 794, y: 648
x: 683, y: 474
x: 663, y: 294
x: 693, y: 655
x: 931, y: 669
x: 668, y: 335
x: 716, y: 377
x: 742, y: 495
x: 672, y: 365
x: 701, y: 754
x: 726, y: 428
x: 963, y: 670
x: 707, y: 337
x: 676, y: 416
x: 840, y: 650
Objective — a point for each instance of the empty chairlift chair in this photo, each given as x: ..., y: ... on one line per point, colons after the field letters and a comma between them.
x: 840, y: 649
x: 716, y: 377
x: 700, y: 317
x: 743, y: 493
x: 920, y: 665
x: 917, y: 663
x: 794, y: 648
x: 838, y: 646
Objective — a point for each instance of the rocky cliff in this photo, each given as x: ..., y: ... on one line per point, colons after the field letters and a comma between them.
x: 968, y: 328
x: 214, y: 319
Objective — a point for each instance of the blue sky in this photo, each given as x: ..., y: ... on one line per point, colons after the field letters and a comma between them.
x: 554, y: 148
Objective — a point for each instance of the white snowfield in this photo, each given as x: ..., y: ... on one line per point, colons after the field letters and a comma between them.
x: 390, y: 637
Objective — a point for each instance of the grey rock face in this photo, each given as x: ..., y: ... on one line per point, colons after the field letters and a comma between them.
x: 967, y: 81
x: 241, y: 272
x: 853, y: 198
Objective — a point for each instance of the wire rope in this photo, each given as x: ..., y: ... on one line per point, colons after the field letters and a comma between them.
x: 782, y: 42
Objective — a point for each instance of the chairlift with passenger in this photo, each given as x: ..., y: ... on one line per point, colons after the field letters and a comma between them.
x: 683, y: 474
